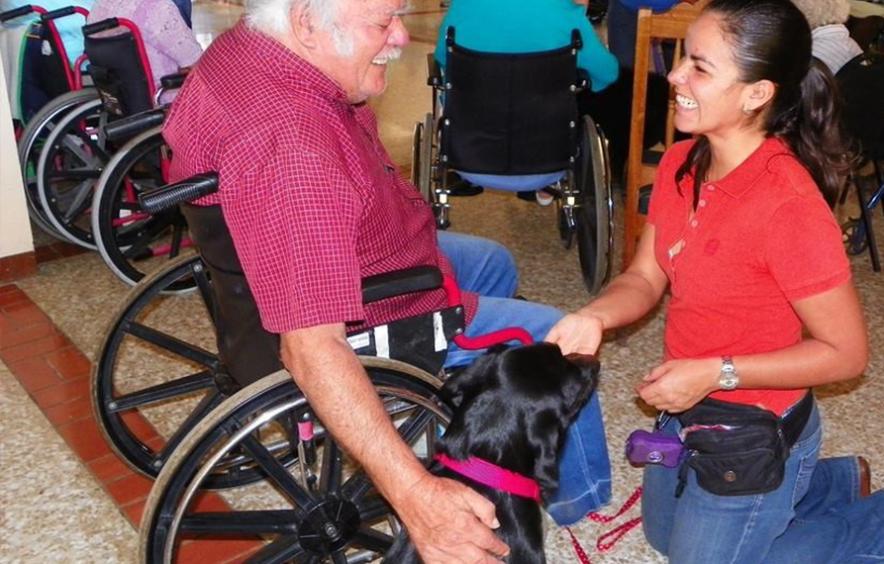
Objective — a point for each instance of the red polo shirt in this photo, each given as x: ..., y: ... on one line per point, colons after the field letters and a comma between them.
x: 761, y: 238
x: 312, y: 200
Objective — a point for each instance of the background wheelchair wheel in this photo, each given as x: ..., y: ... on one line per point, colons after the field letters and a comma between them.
x: 132, y: 242
x: 32, y: 141
x: 424, y: 181
x: 151, y: 385
x: 67, y: 170
x: 594, y: 216
x: 336, y: 515
x: 853, y: 233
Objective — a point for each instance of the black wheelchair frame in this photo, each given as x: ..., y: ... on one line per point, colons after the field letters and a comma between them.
x: 251, y: 423
x: 516, y: 114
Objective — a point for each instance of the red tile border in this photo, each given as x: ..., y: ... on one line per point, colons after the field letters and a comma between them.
x: 57, y: 376
x: 17, y: 266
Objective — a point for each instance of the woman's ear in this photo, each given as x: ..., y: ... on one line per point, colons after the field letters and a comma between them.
x: 757, y: 95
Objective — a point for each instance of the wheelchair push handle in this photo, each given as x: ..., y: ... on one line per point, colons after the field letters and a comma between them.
x: 19, y: 12
x: 62, y: 12
x: 170, y: 195
x: 130, y: 126
x: 103, y: 25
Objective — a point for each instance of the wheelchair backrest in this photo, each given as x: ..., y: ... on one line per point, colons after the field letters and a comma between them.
x: 510, y: 113
x: 119, y: 68
x: 861, y: 82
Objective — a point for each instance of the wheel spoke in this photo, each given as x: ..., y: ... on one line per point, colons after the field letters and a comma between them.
x: 372, y: 539
x: 69, y: 142
x: 281, y: 550
x: 373, y: 508
x: 241, y: 523
x: 160, y: 392
x: 82, y: 200
x: 209, y: 402
x: 277, y: 472
x: 332, y: 468
x: 171, y: 344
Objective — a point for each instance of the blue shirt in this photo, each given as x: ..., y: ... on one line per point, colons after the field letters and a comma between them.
x: 70, y: 28
x: 524, y: 26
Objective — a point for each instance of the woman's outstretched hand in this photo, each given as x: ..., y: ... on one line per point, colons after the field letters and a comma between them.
x: 577, y: 333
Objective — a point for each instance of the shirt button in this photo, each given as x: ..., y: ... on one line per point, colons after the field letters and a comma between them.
x: 702, y: 203
x: 693, y: 223
x: 711, y: 188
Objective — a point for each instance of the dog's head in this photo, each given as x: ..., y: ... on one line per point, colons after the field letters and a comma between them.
x: 513, y: 405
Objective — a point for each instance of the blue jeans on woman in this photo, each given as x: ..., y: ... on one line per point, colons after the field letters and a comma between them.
x: 815, y: 516
x: 487, y: 268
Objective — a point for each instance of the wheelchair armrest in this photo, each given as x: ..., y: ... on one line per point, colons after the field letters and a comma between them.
x: 173, y: 81
x: 16, y: 13
x: 400, y: 282
x: 130, y: 126
x: 434, y: 72
x: 170, y: 195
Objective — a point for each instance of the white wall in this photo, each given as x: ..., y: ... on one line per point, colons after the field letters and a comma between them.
x: 15, y: 229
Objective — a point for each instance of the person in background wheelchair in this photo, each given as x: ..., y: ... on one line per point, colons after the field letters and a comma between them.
x: 169, y: 42
x: 498, y: 26
x: 314, y: 204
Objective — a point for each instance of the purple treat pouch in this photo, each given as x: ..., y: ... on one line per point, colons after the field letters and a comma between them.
x: 646, y: 447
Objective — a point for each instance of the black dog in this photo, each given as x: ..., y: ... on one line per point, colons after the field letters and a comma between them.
x: 512, y: 407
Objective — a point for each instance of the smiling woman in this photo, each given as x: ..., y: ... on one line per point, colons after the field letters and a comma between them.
x: 762, y: 305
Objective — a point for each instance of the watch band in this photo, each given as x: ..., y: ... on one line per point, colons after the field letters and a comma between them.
x: 728, y: 378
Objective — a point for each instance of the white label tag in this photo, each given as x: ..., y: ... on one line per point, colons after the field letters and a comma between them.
x: 440, y: 343
x: 382, y: 341
x: 359, y: 340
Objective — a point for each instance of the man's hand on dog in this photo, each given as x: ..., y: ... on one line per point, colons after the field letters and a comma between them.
x: 577, y: 333
x: 450, y: 523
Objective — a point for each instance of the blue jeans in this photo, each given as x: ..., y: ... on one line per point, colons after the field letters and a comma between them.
x: 513, y: 183
x: 813, y: 517
x: 487, y: 268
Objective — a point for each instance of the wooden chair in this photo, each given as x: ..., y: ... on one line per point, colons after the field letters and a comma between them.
x: 671, y: 25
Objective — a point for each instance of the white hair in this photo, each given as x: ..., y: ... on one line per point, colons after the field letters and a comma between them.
x: 274, y: 16
x: 823, y: 12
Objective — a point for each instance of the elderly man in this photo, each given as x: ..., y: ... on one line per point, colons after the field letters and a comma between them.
x: 313, y: 204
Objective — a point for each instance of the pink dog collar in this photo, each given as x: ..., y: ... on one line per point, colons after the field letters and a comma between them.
x: 491, y: 475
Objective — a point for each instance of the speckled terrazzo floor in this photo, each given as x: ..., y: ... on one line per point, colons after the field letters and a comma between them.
x: 51, y: 509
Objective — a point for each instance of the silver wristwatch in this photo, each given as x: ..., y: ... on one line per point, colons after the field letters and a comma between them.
x: 728, y: 378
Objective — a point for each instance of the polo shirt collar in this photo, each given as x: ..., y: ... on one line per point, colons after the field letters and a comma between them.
x: 293, y: 71
x: 742, y: 178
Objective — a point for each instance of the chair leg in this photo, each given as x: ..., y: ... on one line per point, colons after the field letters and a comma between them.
x: 866, y: 218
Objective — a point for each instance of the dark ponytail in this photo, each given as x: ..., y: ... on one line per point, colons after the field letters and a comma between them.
x: 771, y: 40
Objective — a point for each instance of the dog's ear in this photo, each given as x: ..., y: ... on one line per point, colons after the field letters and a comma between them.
x: 471, y: 379
x: 545, y: 434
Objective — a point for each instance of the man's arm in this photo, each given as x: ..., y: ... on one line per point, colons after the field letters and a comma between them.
x: 447, y: 521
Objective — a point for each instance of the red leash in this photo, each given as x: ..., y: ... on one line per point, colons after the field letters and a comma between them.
x: 604, y: 544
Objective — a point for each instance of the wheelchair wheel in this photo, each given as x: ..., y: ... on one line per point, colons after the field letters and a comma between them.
x: 422, y: 152
x: 31, y: 143
x: 132, y: 242
x: 153, y: 381
x: 310, y: 512
x: 594, y: 216
x: 67, y: 170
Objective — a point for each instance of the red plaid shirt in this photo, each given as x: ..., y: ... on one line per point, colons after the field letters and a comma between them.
x: 312, y: 200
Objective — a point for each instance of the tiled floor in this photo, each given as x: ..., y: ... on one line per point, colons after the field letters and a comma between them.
x: 66, y: 497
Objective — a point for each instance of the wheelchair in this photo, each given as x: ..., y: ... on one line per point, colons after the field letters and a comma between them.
x: 203, y: 413
x: 54, y: 77
x: 517, y: 114
x: 77, y: 149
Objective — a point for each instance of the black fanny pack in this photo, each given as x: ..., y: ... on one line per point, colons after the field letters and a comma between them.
x: 739, y: 449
